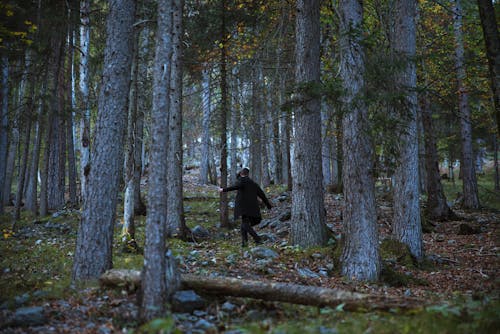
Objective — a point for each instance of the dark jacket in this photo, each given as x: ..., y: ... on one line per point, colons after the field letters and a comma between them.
x: 246, y: 203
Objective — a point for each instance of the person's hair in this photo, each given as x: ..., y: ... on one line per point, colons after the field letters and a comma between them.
x: 244, y: 172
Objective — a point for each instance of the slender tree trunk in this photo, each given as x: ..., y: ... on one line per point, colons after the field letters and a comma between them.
x: 44, y: 210
x: 470, y: 192
x: 152, y: 303
x: 22, y: 169
x: 205, y: 141
x: 84, y: 91
x: 176, y: 224
x: 4, y: 126
x: 255, y: 130
x: 406, y: 226
x: 224, y: 211
x: 360, y: 255
x: 308, y: 224
x: 437, y: 206
x: 94, y: 243
x: 495, y: 162
x: 492, y: 41
x: 69, y: 101
x: 326, y: 148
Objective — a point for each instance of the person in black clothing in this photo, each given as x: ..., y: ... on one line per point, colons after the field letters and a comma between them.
x: 247, y: 205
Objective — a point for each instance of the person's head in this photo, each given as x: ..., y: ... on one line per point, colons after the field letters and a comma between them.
x: 244, y: 172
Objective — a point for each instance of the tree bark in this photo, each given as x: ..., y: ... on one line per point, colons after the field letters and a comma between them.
x: 406, y: 226
x: 176, y: 224
x: 270, y: 291
x: 469, y: 181
x: 360, y: 255
x: 492, y: 41
x: 308, y: 222
x: 205, y: 139
x: 93, y: 254
x: 153, y: 292
x: 4, y: 126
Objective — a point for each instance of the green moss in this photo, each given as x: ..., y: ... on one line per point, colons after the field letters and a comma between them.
x: 394, y: 251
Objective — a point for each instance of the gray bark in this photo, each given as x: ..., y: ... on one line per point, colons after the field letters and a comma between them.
x: 93, y: 254
x: 360, y: 255
x: 152, y: 303
x: 470, y: 192
x: 84, y: 91
x: 205, y: 139
x: 4, y: 126
x: 176, y: 223
x: 406, y: 226
x: 255, y: 135
x: 308, y: 224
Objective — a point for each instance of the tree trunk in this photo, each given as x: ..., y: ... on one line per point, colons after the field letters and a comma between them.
x: 326, y: 147
x: 470, y: 192
x: 93, y: 254
x: 224, y: 210
x: 22, y: 170
x: 255, y: 136
x: 437, y: 205
x: 492, y: 41
x: 308, y: 224
x: 176, y: 224
x: 495, y: 162
x: 270, y: 291
x: 84, y: 91
x: 360, y: 255
x: 69, y: 102
x: 152, y: 303
x: 205, y: 139
x: 4, y: 126
x: 406, y: 226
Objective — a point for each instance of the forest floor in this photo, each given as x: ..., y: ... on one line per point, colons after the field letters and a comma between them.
x: 454, y: 290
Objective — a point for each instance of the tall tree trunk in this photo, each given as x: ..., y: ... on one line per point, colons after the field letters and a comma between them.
x: 360, y: 255
x: 437, y: 206
x: 152, y: 303
x: 176, y: 224
x: 492, y: 41
x: 44, y: 210
x: 69, y: 102
x: 205, y: 139
x: 84, y: 100
x: 326, y: 147
x: 22, y: 170
x: 255, y: 151
x: 4, y: 126
x: 224, y: 210
x: 406, y: 226
x: 31, y: 191
x: 308, y: 224
x: 495, y: 162
x: 94, y: 243
x: 470, y: 192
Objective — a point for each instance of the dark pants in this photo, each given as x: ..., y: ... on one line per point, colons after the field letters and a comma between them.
x: 246, y: 228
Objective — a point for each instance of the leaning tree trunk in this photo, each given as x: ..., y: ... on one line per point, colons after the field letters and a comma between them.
x: 94, y: 243
x: 176, y: 224
x: 4, y: 124
x: 437, y: 206
x: 406, y: 226
x: 470, y: 192
x: 360, y: 256
x: 308, y: 226
x: 153, y: 292
x: 492, y: 40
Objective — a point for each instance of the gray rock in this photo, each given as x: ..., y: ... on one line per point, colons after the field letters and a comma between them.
x: 200, y: 233
x: 308, y: 273
x: 206, y: 326
x: 228, y: 307
x: 187, y: 301
x: 287, y: 215
x: 29, y: 316
x: 263, y: 253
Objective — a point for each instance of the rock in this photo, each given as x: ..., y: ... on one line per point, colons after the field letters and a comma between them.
x: 200, y: 233
x: 282, y: 233
x: 307, y: 273
x: 29, y: 316
x: 205, y: 326
x: 440, y: 238
x: 263, y: 253
x: 187, y: 301
x: 268, y: 237
x: 228, y: 307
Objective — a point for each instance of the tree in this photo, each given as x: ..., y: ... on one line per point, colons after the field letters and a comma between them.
x: 207, y: 110
x: 360, y: 255
x: 93, y: 254
x: 492, y: 41
x: 470, y: 192
x: 4, y: 124
x: 406, y: 226
x: 153, y: 296
x: 308, y: 226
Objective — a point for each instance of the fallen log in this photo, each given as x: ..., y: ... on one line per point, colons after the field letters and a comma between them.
x: 270, y: 291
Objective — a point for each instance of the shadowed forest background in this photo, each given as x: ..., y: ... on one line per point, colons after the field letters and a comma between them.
x: 372, y: 127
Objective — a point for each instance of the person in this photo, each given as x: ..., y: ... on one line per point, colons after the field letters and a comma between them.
x: 247, y: 205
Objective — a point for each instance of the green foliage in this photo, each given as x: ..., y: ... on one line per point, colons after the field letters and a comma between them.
x: 160, y: 325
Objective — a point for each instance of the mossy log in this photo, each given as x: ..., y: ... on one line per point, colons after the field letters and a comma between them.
x: 271, y: 291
